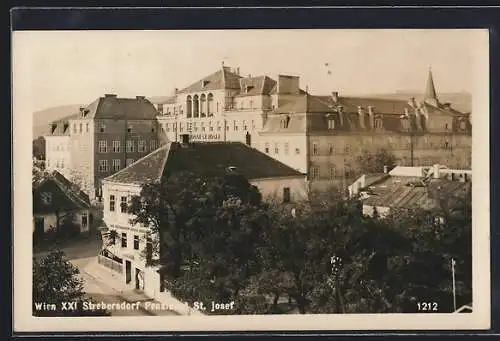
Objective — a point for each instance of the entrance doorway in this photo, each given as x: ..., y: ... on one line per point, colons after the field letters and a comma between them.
x: 128, y: 272
x: 139, y: 279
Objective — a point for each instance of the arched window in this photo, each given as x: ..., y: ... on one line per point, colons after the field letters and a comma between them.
x: 196, y: 107
x: 189, y: 107
x: 203, y: 101
x: 210, y: 100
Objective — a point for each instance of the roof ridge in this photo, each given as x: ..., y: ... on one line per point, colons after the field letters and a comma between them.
x: 68, y: 191
x: 164, y: 162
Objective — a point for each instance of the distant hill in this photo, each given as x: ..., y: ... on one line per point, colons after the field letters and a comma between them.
x: 461, y: 101
x: 42, y: 118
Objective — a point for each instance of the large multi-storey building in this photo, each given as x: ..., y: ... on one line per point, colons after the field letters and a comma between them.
x: 322, y: 136
x: 319, y: 135
x: 224, y: 106
x: 101, y: 139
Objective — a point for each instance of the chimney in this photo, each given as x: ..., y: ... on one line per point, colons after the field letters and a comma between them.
x: 249, y: 76
x: 386, y: 169
x: 406, y: 112
x: 370, y: 109
x: 185, y: 139
x: 110, y: 95
x: 335, y: 96
x: 176, y: 91
x: 140, y: 97
x: 360, y: 109
x: 238, y: 71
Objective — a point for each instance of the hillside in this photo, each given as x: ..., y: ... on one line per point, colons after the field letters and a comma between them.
x: 462, y: 101
x: 42, y: 118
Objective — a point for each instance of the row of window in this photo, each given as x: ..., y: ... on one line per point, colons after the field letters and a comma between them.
x: 130, y: 146
x: 286, y: 148
x: 216, y: 126
x: 333, y: 173
x: 346, y: 149
x: 58, y: 147
x: 124, y: 241
x: 59, y: 163
x: 115, y: 164
x: 78, y: 128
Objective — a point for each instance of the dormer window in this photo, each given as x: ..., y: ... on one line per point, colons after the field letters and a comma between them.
x: 331, y: 123
x: 378, y: 123
x: 46, y: 198
x: 129, y: 129
x: 160, y: 108
x: 102, y: 128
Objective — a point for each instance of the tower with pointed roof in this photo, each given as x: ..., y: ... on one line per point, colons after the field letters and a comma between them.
x: 430, y: 96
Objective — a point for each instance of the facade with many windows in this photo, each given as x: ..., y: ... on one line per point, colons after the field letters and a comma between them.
x: 103, y: 138
x: 332, y: 132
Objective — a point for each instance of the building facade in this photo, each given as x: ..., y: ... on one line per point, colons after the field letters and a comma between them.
x: 58, y: 203
x: 324, y: 136
x: 101, y: 139
x: 128, y: 254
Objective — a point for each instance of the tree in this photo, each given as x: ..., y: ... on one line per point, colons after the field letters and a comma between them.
x: 374, y: 162
x: 436, y: 237
x: 180, y: 208
x: 56, y: 280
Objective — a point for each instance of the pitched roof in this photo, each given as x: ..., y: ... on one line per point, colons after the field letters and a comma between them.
x: 163, y: 99
x: 252, y: 86
x: 221, y: 79
x: 61, y: 126
x: 411, y: 192
x: 210, y: 159
x: 66, y: 196
x: 113, y: 107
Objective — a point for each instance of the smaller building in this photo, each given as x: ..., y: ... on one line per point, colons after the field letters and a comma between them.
x: 134, y: 243
x: 409, y: 188
x: 59, y: 204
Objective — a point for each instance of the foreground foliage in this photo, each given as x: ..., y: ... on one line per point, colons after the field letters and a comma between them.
x: 219, y: 241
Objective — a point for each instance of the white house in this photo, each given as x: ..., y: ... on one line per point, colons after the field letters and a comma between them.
x: 128, y: 254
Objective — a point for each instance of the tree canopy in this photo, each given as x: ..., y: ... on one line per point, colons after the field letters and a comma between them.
x: 56, y: 280
x: 219, y: 240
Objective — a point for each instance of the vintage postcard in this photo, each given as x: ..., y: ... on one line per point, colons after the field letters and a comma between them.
x: 232, y: 180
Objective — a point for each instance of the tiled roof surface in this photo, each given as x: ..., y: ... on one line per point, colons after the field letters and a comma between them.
x: 65, y: 195
x: 296, y: 124
x: 260, y: 85
x: 122, y: 108
x: 221, y: 79
x: 210, y: 159
x: 147, y: 169
x: 410, y: 192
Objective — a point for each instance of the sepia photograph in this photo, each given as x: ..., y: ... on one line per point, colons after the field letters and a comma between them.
x: 251, y: 179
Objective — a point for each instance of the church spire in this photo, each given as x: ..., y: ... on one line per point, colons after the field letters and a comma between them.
x: 430, y: 91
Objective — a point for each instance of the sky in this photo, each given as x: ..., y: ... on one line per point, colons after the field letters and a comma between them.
x: 54, y: 68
